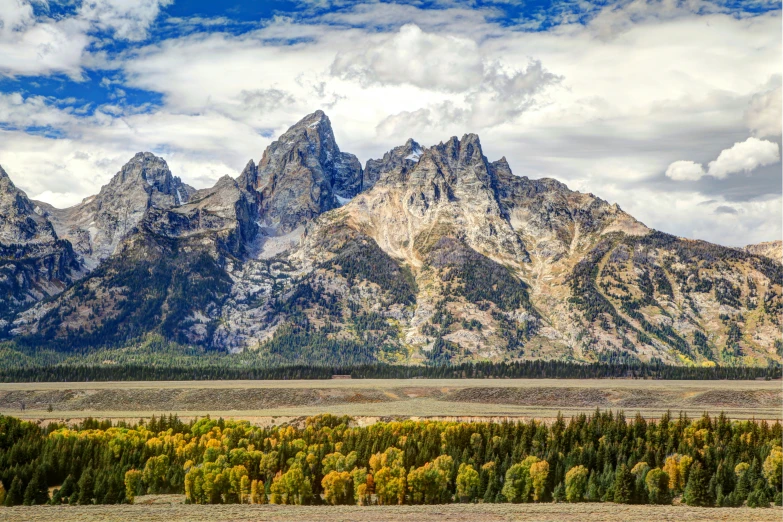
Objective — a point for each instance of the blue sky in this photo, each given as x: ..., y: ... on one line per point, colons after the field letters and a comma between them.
x: 671, y: 108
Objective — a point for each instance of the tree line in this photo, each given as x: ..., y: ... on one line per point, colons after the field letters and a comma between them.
x: 602, y: 457
x: 233, y: 367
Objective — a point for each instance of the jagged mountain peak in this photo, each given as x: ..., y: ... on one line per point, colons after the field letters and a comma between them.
x: 35, y: 262
x: 20, y: 221
x: 302, y: 174
x: 394, y: 164
x: 249, y: 176
x: 150, y: 173
x: 441, y: 254
x: 97, y: 225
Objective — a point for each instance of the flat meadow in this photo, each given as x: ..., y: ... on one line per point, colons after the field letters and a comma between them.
x: 266, y: 402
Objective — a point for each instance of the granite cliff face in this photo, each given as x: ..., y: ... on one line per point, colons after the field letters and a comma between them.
x: 428, y: 254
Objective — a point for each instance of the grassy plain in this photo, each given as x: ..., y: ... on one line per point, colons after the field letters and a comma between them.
x: 375, y: 399
x: 472, y: 512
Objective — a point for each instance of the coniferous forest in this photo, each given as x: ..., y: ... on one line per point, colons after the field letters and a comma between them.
x: 158, y: 360
x: 602, y: 457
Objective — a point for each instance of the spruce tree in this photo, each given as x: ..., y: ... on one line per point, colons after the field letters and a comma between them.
x: 758, y: 498
x: 86, y: 486
x: 15, y: 495
x: 36, y: 491
x: 67, y: 489
x: 624, y: 482
x: 697, y: 490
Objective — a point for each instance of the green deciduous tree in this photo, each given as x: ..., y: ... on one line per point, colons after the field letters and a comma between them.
x: 518, y: 486
x: 576, y: 483
x: 291, y: 487
x: 468, y: 483
x: 657, y: 485
x: 132, y: 484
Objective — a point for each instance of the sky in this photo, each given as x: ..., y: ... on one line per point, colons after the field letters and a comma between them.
x: 670, y: 108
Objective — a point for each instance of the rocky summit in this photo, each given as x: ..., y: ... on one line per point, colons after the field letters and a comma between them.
x: 426, y: 255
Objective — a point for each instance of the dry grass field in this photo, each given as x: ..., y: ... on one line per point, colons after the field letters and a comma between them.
x: 371, y: 400
x: 472, y: 512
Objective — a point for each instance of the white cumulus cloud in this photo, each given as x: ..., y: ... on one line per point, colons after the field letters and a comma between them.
x: 685, y: 171
x: 128, y: 19
x: 744, y: 157
x: 414, y: 57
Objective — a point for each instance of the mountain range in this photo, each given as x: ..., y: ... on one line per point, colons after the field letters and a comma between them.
x: 426, y: 255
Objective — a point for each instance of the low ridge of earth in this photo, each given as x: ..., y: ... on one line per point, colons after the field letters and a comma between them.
x: 372, y: 400
x: 603, y: 512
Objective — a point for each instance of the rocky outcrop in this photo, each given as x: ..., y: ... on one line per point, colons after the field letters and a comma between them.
x: 303, y: 174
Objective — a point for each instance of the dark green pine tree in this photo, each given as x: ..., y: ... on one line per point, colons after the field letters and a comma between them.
x: 593, y: 494
x: 559, y: 494
x: 67, y: 489
x: 86, y: 486
x: 15, y: 495
x: 697, y: 490
x: 623, y: 485
x: 758, y: 497
x: 36, y: 491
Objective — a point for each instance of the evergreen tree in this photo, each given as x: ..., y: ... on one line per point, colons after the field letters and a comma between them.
x: 36, y: 491
x: 15, y: 495
x: 86, y: 486
x: 559, y: 494
x: 697, y: 492
x: 623, y: 485
x: 758, y: 497
x: 67, y: 489
x: 593, y: 494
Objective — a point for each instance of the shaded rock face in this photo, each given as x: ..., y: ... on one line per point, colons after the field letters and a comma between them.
x: 97, y: 226
x: 302, y: 174
x: 34, y: 262
x: 226, y: 214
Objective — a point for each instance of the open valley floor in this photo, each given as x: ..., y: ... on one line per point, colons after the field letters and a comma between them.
x: 267, y: 402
